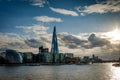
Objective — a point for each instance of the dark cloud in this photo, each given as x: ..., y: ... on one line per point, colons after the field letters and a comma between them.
x: 34, y: 43
x: 71, y: 41
x: 66, y: 40
x: 93, y: 41
x: 97, y: 42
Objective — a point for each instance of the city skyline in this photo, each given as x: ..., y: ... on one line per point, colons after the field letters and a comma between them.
x: 84, y: 27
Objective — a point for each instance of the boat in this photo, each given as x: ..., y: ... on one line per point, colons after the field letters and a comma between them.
x: 116, y: 65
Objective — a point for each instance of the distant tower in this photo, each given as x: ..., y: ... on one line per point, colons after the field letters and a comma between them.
x: 54, y: 47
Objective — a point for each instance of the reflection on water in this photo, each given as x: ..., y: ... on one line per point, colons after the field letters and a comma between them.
x: 63, y: 72
x: 115, y: 73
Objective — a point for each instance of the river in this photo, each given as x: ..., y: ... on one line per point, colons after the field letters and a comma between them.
x: 98, y: 71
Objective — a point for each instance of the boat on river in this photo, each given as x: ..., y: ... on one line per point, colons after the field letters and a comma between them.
x: 116, y: 65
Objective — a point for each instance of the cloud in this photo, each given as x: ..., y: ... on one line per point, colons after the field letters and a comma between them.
x: 82, y: 44
x: 19, y: 43
x: 47, y: 19
x: 36, y: 43
x: 103, y: 7
x: 83, y: 40
x: 33, y: 43
x: 64, y: 11
x: 71, y: 40
x: 10, y: 37
x: 39, y: 3
x: 12, y: 41
x: 34, y: 29
x: 97, y: 42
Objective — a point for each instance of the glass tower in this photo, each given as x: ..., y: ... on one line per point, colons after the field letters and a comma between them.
x: 54, y: 47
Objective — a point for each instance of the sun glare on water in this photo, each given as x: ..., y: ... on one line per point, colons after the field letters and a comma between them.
x: 115, y: 34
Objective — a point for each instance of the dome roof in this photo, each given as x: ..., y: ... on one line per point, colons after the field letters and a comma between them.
x: 13, y: 56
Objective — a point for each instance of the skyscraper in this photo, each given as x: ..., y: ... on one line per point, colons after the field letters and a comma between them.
x: 54, y: 47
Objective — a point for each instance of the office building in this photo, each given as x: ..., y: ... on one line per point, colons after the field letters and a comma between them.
x: 27, y: 57
x: 69, y: 55
x: 43, y: 50
x: 54, y: 47
x: 13, y: 56
x: 46, y: 57
x: 61, y: 58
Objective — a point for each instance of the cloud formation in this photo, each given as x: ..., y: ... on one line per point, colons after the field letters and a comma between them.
x: 22, y: 43
x: 47, y: 19
x: 33, y: 43
x: 34, y: 29
x: 93, y: 45
x: 64, y: 11
x: 72, y: 43
x: 12, y: 41
x: 97, y: 42
x: 101, y: 7
x: 39, y: 3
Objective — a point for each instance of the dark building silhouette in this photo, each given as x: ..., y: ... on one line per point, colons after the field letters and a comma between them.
x: 2, y: 60
x: 43, y: 50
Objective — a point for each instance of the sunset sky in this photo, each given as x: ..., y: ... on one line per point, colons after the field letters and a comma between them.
x: 84, y: 27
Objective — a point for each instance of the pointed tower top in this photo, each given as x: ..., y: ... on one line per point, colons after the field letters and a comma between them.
x: 54, y: 27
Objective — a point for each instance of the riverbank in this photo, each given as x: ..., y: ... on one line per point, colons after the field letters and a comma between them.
x: 31, y: 64
x: 39, y: 64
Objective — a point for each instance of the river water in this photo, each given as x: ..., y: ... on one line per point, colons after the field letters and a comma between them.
x: 104, y: 71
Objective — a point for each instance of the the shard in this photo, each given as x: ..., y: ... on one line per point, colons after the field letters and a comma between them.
x: 54, y: 47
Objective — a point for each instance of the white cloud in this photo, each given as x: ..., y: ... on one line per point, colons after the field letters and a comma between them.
x: 47, y: 19
x: 35, y: 29
x: 12, y: 41
x: 21, y: 43
x: 64, y: 11
x: 39, y: 3
x: 104, y: 7
x: 10, y: 37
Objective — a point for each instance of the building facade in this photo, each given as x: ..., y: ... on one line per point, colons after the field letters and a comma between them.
x: 13, y: 56
x: 54, y: 47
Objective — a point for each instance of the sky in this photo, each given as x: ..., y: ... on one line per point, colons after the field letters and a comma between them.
x: 84, y: 27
